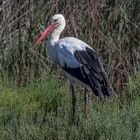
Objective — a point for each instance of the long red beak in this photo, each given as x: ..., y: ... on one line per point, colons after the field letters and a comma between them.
x: 49, y: 29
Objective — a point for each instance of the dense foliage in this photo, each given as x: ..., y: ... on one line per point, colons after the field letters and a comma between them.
x: 41, y: 111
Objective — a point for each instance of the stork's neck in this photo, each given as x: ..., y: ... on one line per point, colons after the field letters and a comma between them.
x: 54, y: 37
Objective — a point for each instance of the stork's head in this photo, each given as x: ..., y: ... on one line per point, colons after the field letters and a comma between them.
x: 59, y: 21
x: 57, y: 24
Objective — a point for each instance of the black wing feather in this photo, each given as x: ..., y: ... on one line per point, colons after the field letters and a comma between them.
x: 90, y: 72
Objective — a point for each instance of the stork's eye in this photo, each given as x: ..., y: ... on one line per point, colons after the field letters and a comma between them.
x: 55, y: 20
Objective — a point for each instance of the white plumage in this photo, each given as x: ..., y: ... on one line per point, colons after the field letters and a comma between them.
x: 64, y: 50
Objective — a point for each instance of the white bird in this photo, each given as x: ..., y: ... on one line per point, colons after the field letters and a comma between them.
x: 79, y: 61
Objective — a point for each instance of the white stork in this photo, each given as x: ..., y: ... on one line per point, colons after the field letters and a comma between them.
x: 79, y: 61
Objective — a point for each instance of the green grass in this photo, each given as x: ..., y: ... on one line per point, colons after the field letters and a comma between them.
x: 41, y: 111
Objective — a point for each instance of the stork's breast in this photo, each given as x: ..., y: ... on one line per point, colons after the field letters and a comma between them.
x: 52, y: 54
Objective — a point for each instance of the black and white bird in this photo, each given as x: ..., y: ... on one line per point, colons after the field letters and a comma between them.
x: 79, y: 61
